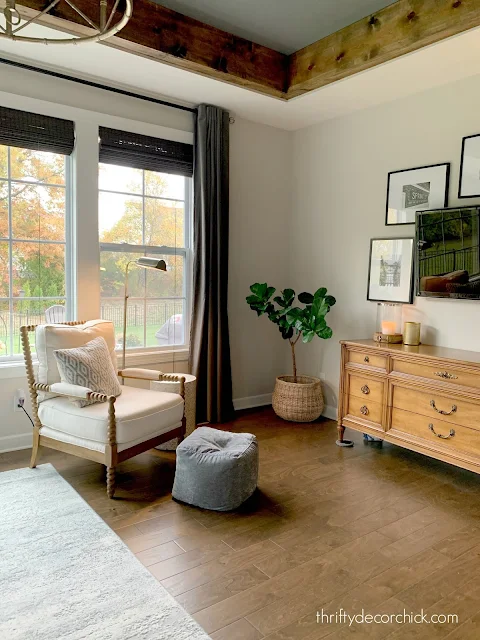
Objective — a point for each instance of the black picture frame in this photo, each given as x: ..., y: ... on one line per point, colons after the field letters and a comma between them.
x: 462, y: 165
x: 428, y: 166
x: 409, y: 299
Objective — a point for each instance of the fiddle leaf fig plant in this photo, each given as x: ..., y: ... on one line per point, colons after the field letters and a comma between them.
x: 293, y: 322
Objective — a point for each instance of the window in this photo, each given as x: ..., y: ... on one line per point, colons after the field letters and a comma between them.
x: 145, y: 213
x: 34, y: 247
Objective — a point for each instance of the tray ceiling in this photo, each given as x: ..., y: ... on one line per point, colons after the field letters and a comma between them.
x: 283, y: 25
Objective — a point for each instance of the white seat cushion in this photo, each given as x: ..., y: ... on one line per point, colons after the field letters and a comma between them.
x: 140, y: 414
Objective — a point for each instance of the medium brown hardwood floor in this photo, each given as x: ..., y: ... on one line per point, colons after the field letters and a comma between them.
x: 375, y: 527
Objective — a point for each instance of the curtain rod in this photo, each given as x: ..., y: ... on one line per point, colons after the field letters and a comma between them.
x: 96, y: 85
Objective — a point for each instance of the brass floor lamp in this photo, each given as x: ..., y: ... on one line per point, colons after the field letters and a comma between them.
x: 145, y: 263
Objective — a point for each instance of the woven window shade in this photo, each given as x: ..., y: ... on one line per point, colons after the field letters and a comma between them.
x: 143, y: 152
x: 37, y: 132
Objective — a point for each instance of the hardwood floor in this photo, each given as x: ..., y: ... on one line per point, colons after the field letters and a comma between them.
x: 375, y: 527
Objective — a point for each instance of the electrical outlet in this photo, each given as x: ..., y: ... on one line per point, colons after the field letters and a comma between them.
x: 321, y: 376
x: 19, y: 400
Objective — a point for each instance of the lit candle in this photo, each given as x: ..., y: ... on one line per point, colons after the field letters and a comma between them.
x: 388, y: 328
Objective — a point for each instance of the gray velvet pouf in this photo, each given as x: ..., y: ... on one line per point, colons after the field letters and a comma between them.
x: 216, y: 469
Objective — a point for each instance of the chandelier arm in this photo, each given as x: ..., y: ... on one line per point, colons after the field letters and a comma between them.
x: 80, y: 13
x: 110, y: 17
x: 39, y: 15
x: 96, y: 37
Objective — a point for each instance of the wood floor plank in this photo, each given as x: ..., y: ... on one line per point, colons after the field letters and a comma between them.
x: 177, y: 531
x: 239, y: 630
x: 220, y: 567
x: 221, y: 589
x: 186, y: 561
x: 159, y: 554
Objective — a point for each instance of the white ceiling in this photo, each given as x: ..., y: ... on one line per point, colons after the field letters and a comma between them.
x: 284, y: 25
x: 447, y: 61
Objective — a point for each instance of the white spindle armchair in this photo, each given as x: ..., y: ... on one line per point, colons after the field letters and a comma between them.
x: 113, y: 429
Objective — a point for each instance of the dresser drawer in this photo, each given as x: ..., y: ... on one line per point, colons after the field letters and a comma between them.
x: 437, y: 372
x: 438, y: 433
x: 364, y: 409
x: 368, y: 359
x: 366, y: 387
x: 437, y: 406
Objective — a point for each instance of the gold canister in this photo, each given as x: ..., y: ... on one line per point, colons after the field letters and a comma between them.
x: 411, y: 333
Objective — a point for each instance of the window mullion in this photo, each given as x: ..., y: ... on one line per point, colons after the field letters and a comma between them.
x: 144, y: 271
x: 9, y: 340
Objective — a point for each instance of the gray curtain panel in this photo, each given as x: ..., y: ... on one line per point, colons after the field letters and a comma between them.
x: 209, y: 340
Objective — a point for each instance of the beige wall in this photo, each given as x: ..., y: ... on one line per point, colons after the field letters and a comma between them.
x: 340, y: 176
x: 260, y: 209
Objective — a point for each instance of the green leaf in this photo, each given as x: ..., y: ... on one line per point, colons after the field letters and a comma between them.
x: 259, y: 289
x: 288, y: 296
x: 308, y: 336
x: 305, y: 298
x: 270, y: 292
x: 325, y: 333
x: 320, y: 293
x: 294, y: 314
x: 287, y: 332
x: 319, y: 307
x: 330, y: 300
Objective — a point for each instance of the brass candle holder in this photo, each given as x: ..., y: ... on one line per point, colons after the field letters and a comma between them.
x: 411, y: 333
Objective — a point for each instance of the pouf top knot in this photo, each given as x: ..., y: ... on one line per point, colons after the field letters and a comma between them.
x: 210, y: 441
x: 216, y: 469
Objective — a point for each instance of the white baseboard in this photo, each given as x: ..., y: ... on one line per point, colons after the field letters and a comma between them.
x: 15, y: 443
x: 252, y: 401
x: 329, y: 412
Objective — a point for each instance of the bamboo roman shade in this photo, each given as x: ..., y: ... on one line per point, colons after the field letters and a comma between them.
x: 144, y: 152
x: 37, y: 132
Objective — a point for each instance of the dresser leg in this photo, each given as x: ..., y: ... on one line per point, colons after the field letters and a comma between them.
x: 341, y: 442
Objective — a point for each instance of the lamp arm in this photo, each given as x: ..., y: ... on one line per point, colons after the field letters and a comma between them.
x: 125, y: 302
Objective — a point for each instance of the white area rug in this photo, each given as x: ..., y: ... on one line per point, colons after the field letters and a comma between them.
x: 65, y: 574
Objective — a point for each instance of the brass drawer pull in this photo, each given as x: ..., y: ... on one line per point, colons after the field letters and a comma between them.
x: 366, y: 359
x: 365, y: 389
x: 439, y: 435
x: 446, y: 375
x: 364, y: 410
x: 444, y: 413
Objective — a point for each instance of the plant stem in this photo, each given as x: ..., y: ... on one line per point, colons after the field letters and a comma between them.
x: 294, y: 360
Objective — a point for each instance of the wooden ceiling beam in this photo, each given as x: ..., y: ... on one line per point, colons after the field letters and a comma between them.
x: 400, y: 28
x: 167, y: 36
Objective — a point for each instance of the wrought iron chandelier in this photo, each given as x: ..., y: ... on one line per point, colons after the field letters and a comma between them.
x: 104, y: 24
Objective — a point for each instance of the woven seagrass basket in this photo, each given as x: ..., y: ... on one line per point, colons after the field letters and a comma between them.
x: 298, y: 402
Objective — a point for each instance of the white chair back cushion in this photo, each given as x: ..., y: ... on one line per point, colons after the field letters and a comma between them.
x: 49, y: 338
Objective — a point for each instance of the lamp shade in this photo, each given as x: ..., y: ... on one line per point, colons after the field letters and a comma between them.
x: 151, y: 263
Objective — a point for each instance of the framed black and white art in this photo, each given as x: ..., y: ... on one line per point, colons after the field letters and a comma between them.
x: 469, y: 186
x: 390, y: 273
x: 411, y: 190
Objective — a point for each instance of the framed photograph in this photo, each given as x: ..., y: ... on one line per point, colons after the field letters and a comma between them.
x: 469, y: 185
x: 390, y: 273
x: 412, y: 190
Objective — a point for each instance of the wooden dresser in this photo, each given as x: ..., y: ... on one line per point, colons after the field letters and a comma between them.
x: 423, y: 398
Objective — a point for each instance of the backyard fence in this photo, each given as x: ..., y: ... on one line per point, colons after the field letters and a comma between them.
x: 440, y: 263
x: 140, y: 313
